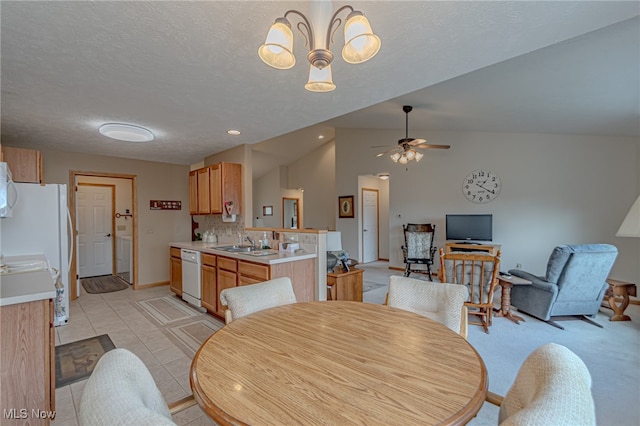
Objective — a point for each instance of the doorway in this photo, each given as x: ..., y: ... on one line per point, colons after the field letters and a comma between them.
x: 96, y: 217
x: 370, y: 228
x: 124, y: 223
x: 290, y: 212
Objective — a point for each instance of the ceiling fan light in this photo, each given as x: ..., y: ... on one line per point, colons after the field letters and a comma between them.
x: 277, y: 50
x: 403, y: 159
x: 395, y: 157
x: 320, y: 80
x: 419, y: 156
x: 360, y: 43
x: 410, y: 154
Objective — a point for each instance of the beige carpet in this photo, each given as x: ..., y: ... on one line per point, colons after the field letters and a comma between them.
x: 184, y: 325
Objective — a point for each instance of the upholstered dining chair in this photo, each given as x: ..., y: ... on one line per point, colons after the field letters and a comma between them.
x: 121, y: 391
x: 247, y: 299
x: 439, y: 301
x: 553, y: 387
x: 478, y: 272
x: 418, y: 246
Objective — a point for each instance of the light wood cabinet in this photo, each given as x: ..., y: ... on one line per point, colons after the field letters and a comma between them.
x: 27, y: 361
x: 175, y: 271
x: 346, y: 285
x: 209, y: 282
x: 492, y: 249
x: 212, y: 186
x: 252, y: 273
x: 193, y: 192
x: 25, y: 164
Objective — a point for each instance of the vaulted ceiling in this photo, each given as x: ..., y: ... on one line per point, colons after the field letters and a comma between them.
x: 189, y: 71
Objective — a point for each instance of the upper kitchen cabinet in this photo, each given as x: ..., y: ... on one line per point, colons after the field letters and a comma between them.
x: 211, y: 187
x: 25, y: 164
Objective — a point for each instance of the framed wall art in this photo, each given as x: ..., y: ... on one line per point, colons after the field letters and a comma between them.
x: 267, y: 210
x: 345, y: 206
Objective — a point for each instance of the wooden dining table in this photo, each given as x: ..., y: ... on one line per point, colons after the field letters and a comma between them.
x: 338, y: 363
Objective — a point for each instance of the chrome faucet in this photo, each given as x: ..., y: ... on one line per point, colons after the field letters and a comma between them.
x: 253, y: 243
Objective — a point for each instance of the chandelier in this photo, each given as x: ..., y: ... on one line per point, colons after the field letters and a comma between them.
x: 360, y: 45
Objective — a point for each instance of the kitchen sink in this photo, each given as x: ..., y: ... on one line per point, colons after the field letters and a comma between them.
x: 236, y: 249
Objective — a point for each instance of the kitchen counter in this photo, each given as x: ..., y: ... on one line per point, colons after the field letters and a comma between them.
x: 26, y: 287
x: 273, y: 259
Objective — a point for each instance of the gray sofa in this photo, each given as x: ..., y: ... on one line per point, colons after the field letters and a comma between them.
x: 575, y: 283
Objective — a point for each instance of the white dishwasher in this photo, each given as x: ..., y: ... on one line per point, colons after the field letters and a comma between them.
x: 191, y: 277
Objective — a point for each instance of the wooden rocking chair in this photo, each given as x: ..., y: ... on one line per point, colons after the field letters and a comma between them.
x: 479, y: 273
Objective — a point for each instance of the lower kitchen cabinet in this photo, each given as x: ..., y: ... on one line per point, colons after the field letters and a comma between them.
x: 226, y: 279
x: 27, y: 362
x: 209, y: 282
x: 175, y: 271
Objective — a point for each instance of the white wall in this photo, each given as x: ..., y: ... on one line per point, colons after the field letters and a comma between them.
x: 155, y: 181
x: 316, y: 174
x: 556, y: 189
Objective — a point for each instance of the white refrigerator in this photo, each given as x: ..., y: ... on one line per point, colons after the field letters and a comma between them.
x: 40, y: 225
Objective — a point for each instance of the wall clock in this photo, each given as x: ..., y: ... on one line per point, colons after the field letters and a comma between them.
x: 481, y: 186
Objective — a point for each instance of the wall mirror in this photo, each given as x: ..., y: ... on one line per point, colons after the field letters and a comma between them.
x: 290, y: 212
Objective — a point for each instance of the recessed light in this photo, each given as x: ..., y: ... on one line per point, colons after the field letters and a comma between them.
x: 233, y: 132
x: 126, y: 132
x: 321, y: 137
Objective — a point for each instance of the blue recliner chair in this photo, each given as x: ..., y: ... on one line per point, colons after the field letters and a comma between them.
x: 574, y: 284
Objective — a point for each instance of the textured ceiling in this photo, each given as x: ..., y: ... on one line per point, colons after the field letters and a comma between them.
x: 189, y: 71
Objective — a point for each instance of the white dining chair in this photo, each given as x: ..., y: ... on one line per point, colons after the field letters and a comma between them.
x: 553, y: 387
x: 441, y: 302
x: 247, y: 299
x: 121, y: 391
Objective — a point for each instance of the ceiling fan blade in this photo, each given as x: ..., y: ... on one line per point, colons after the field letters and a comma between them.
x: 417, y: 142
x: 382, y: 146
x: 387, y: 151
x: 431, y: 146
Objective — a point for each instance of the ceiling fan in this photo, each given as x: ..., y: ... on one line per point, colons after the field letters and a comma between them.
x: 405, y: 150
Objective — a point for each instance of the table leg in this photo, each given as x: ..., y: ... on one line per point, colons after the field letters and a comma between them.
x: 505, y: 303
x: 618, y: 310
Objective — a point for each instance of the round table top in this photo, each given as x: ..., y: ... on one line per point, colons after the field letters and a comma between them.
x: 338, y: 363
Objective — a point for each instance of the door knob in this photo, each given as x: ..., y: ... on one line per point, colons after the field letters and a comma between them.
x: 108, y: 235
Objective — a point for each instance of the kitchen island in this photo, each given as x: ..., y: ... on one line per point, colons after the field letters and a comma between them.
x: 224, y: 268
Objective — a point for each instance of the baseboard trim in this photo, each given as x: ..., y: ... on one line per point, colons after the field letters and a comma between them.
x: 150, y: 285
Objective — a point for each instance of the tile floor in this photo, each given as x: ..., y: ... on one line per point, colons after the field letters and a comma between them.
x: 116, y: 315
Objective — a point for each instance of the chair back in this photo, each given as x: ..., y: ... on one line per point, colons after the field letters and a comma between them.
x: 580, y: 269
x: 553, y: 387
x: 440, y: 302
x: 418, y: 240
x: 247, y: 299
x: 121, y: 391
x: 478, y: 271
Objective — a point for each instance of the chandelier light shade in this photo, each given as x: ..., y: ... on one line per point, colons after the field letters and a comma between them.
x: 631, y: 224
x: 320, y: 80
x: 361, y: 44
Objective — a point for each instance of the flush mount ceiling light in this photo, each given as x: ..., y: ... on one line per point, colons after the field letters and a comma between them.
x: 126, y: 132
x: 360, y: 45
x: 233, y: 132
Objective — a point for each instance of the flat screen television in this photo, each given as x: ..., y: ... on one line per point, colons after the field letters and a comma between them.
x: 469, y: 227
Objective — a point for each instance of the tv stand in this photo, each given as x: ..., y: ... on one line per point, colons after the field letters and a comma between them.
x: 471, y: 246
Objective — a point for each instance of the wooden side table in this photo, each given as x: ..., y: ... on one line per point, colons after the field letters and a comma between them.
x: 505, y: 298
x: 345, y: 285
x: 624, y: 290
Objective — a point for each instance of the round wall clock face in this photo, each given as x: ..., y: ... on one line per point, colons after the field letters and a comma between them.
x: 481, y: 186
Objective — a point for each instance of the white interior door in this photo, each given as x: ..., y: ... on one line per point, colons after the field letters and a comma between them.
x: 369, y: 225
x: 95, y: 230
